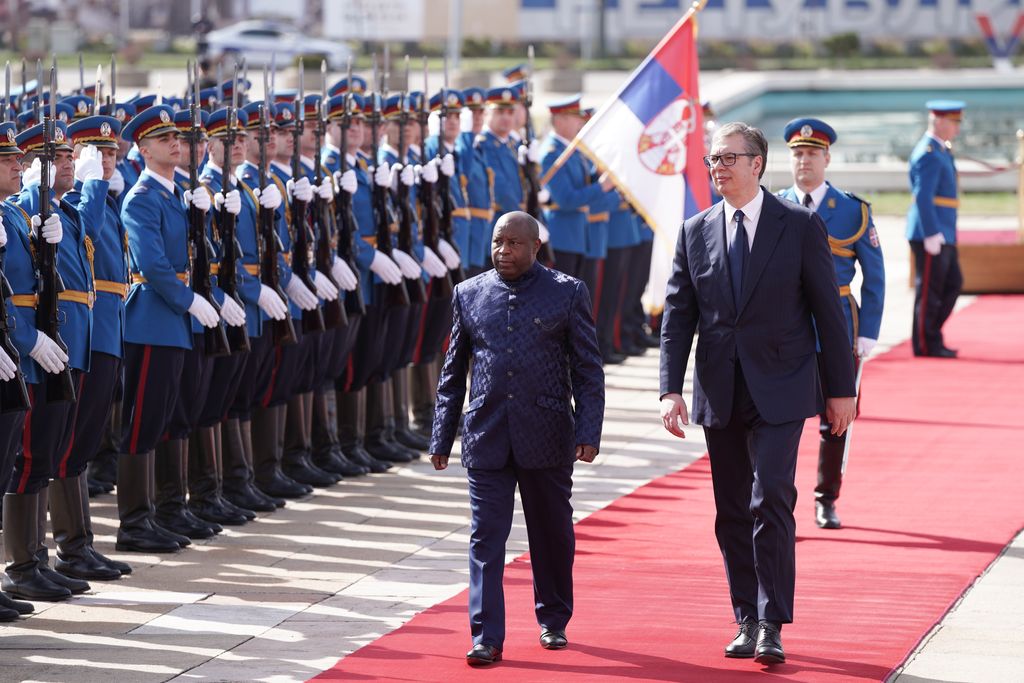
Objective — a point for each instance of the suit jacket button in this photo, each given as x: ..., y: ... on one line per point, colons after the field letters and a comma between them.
x: 510, y: 373
x: 509, y: 328
x: 510, y: 397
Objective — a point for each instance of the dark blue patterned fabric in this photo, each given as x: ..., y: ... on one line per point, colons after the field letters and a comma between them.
x: 534, y: 354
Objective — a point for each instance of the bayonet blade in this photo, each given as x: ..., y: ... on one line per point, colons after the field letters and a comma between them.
x: 81, y: 75
x: 7, y: 92
x: 300, y: 98
x: 98, y: 94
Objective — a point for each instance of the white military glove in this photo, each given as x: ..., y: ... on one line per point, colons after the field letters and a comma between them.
x: 325, y: 190
x: 543, y: 195
x: 865, y: 346
x: 382, y: 175
x: 434, y: 123
x: 33, y: 174
x: 199, y: 199
x: 272, y: 304
x: 410, y: 269
x: 428, y: 172
x: 301, y: 295
x: 203, y: 311
x: 531, y: 153
x: 343, y: 275
x: 116, y: 182
x: 448, y: 165
x: 434, y: 266
x: 325, y: 289
x: 52, y: 230
x: 544, y: 234
x: 230, y: 202
x: 48, y: 354
x: 8, y: 368
x: 270, y: 197
x: 407, y: 175
x: 347, y: 180
x: 3, y: 233
x: 89, y: 164
x: 386, y: 269
x: 933, y: 243
x: 449, y: 254
x: 466, y: 120
x: 300, y: 189
x: 232, y: 313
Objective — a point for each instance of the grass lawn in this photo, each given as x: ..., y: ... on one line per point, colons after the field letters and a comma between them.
x: 973, y: 204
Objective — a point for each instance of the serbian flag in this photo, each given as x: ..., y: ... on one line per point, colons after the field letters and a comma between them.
x: 650, y: 140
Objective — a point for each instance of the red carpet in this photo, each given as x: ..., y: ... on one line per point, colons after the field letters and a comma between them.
x: 931, y: 497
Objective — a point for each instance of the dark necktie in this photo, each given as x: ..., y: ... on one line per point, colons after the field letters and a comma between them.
x: 738, y: 258
x: 808, y: 201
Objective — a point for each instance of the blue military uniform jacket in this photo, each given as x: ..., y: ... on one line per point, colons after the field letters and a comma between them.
x: 934, y: 184
x: 103, y: 227
x: 571, y: 194
x: 538, y: 384
x: 507, y: 185
x: 362, y: 211
x: 20, y: 269
x: 477, y: 181
x: 853, y: 238
x: 460, y: 207
x: 74, y: 263
x: 390, y: 155
x: 156, y: 312
x: 623, y: 226
x: 285, y: 229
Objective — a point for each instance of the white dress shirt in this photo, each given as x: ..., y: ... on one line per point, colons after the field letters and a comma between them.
x: 751, y: 214
x: 817, y: 196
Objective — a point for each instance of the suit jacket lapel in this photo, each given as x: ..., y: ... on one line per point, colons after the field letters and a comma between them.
x: 769, y: 229
x: 713, y: 229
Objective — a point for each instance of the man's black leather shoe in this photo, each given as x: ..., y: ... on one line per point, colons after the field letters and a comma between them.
x: 825, y: 515
x: 553, y: 640
x: 482, y: 655
x: 769, y: 644
x: 612, y: 358
x: 742, y: 646
x: 942, y: 352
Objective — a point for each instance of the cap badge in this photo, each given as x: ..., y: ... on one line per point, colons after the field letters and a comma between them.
x: 286, y: 114
x: 119, y: 115
x: 63, y: 116
x: 806, y: 131
x: 58, y: 135
x: 506, y: 95
x: 164, y: 116
x: 82, y: 106
x: 10, y: 136
x: 105, y: 129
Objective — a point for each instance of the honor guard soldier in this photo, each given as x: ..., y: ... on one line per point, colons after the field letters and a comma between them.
x: 479, y: 181
x: 50, y: 422
x: 623, y: 237
x: 569, y: 189
x: 853, y: 239
x: 931, y: 228
x: 500, y: 154
x: 158, y: 322
x: 40, y: 356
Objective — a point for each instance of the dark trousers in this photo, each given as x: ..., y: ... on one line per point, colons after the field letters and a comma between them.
x: 937, y: 284
x: 570, y: 264
x: 366, y: 356
x: 255, y: 376
x: 45, y: 439
x: 152, y: 380
x: 633, y: 316
x: 609, y: 303
x: 333, y: 365
x: 434, y: 325
x: 545, y: 494
x: 753, y: 465
x: 591, y: 273
x: 95, y: 399
x: 196, y: 374
x: 12, y: 426
x: 225, y: 378
x: 290, y: 364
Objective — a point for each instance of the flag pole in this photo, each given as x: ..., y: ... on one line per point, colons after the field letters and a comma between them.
x: 696, y: 7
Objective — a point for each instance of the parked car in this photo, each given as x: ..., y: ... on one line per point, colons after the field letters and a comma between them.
x: 257, y: 41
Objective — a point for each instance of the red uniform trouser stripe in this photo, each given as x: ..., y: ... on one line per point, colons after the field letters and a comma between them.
x: 26, y: 443
x: 423, y: 326
x: 62, y: 469
x: 140, y: 399
x: 273, y: 377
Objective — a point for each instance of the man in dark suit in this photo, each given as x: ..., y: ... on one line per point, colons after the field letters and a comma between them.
x: 530, y: 335
x: 754, y: 275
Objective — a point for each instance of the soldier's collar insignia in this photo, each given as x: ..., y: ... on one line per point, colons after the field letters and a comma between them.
x: 831, y: 202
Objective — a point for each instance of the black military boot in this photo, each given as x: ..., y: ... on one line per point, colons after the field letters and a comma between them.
x: 423, y: 394
x: 400, y: 398
x: 102, y: 470
x: 218, y: 446
x: 70, y: 533
x: 18, y: 606
x: 22, y: 578
x: 351, y: 430
x: 172, y: 513
x: 137, y: 533
x: 298, y: 444
x: 204, y: 499
x: 830, y: 478
x: 238, y: 486
x: 76, y: 586
x: 268, y: 446
x: 122, y: 567
x: 378, y: 406
x: 327, y: 453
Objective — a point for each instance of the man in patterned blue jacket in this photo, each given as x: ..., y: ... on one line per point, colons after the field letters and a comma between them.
x: 931, y: 229
x: 853, y: 239
x: 536, y: 406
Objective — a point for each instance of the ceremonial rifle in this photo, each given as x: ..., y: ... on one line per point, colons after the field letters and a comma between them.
x: 215, y: 339
x: 230, y: 249
x: 323, y: 217
x: 312, y: 321
x: 383, y: 215
x: 440, y: 287
x: 545, y: 255
x: 270, y: 242
x: 457, y: 274
x: 344, y: 218
x: 406, y: 211
x: 60, y: 386
x: 13, y: 392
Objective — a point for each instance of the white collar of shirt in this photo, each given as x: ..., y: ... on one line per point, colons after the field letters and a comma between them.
x: 561, y: 139
x: 817, y: 196
x: 350, y: 160
x: 751, y: 214
x: 210, y: 164
x: 168, y: 184
x: 331, y: 148
x: 308, y: 162
x: 491, y: 131
x: 937, y: 141
x: 281, y: 167
x: 412, y: 149
x: 450, y: 146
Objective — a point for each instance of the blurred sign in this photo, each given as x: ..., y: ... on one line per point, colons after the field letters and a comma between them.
x: 374, y: 19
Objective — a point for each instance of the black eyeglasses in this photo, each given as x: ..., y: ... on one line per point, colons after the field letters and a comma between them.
x: 727, y: 159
